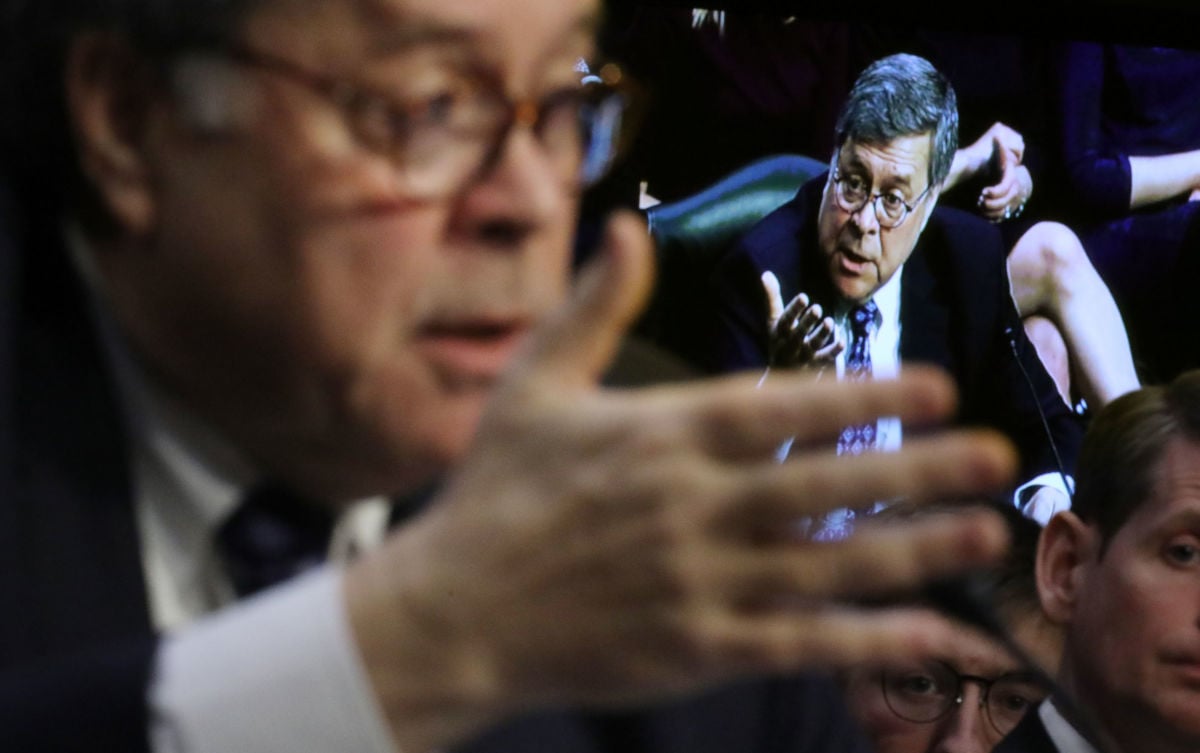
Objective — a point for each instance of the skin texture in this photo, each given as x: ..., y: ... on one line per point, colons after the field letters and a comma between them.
x: 272, y: 276
x: 1132, y: 615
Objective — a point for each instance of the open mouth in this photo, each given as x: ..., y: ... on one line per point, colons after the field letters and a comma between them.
x: 851, y: 263
x: 471, y: 351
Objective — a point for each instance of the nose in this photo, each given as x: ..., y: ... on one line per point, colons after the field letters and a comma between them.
x: 966, y: 729
x: 518, y: 191
x: 864, y: 219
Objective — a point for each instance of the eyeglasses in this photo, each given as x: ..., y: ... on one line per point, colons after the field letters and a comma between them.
x: 439, y: 142
x: 852, y: 192
x: 927, y: 692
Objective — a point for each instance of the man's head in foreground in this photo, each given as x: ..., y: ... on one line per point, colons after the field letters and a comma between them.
x: 896, y: 137
x: 326, y: 227
x: 1121, y: 570
x: 962, y: 700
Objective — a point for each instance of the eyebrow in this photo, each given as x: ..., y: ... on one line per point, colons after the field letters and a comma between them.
x: 1188, y: 517
x: 892, y: 180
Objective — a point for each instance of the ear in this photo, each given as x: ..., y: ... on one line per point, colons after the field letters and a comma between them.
x: 1067, y: 548
x: 109, y: 94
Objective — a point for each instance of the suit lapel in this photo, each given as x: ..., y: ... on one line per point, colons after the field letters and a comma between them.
x: 78, y: 552
x: 924, y: 313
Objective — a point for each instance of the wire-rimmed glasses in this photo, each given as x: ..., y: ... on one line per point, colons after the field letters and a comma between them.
x: 852, y: 192
x: 928, y: 691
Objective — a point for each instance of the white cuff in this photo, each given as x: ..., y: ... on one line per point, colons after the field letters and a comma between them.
x: 278, y: 672
x: 1042, y: 513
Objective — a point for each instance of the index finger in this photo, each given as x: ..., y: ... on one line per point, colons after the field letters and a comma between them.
x: 770, y: 285
x: 731, y: 416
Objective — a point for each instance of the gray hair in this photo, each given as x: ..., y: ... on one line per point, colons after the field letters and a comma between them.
x: 903, y: 95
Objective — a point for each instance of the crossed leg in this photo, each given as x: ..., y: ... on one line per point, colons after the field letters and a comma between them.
x: 1052, y: 279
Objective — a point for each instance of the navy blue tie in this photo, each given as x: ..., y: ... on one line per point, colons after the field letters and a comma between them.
x: 273, y: 535
x: 864, y: 320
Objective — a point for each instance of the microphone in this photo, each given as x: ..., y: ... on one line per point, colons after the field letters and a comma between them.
x: 1037, y: 403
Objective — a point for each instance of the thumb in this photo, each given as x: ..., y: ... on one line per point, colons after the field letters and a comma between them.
x: 770, y: 285
x: 576, y: 344
x: 1003, y: 155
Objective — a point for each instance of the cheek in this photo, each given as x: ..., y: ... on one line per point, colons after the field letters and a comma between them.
x: 1124, y: 623
x: 829, y: 227
x: 366, y: 284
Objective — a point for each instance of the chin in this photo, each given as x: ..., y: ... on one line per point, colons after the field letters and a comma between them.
x: 414, y: 448
x: 456, y: 428
x: 855, y: 293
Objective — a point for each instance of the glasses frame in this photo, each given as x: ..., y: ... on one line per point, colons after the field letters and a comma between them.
x: 960, y: 681
x: 608, y: 104
x: 837, y: 179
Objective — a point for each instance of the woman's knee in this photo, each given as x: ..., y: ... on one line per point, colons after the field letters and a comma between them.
x: 1050, y: 258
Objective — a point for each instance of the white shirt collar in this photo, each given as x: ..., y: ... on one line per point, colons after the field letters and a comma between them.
x: 1065, y: 737
x: 187, y: 479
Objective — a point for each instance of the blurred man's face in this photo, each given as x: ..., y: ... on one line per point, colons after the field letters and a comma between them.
x: 860, y: 254
x: 896, y: 705
x: 294, y: 290
x: 1133, y: 645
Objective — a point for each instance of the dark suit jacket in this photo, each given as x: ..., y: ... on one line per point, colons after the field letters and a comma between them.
x: 956, y: 312
x: 1029, y: 737
x: 76, y: 642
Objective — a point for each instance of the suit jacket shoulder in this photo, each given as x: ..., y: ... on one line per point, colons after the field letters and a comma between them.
x: 75, y: 642
x: 731, y: 330
x: 1029, y: 737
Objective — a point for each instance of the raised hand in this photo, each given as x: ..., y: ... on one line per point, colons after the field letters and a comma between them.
x: 799, y: 335
x: 1006, y: 198
x: 605, y: 547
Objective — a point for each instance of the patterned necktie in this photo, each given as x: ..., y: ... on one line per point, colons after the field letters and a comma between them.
x: 864, y: 320
x: 836, y: 525
x: 271, y: 537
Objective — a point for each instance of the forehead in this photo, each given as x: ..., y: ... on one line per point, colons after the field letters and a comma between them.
x: 990, y: 662
x: 512, y: 35
x: 1175, y: 496
x: 902, y: 159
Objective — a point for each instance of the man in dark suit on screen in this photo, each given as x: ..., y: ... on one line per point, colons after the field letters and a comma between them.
x: 874, y: 274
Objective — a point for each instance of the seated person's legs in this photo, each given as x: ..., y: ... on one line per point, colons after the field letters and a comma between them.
x: 1052, y: 350
x: 1051, y: 276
